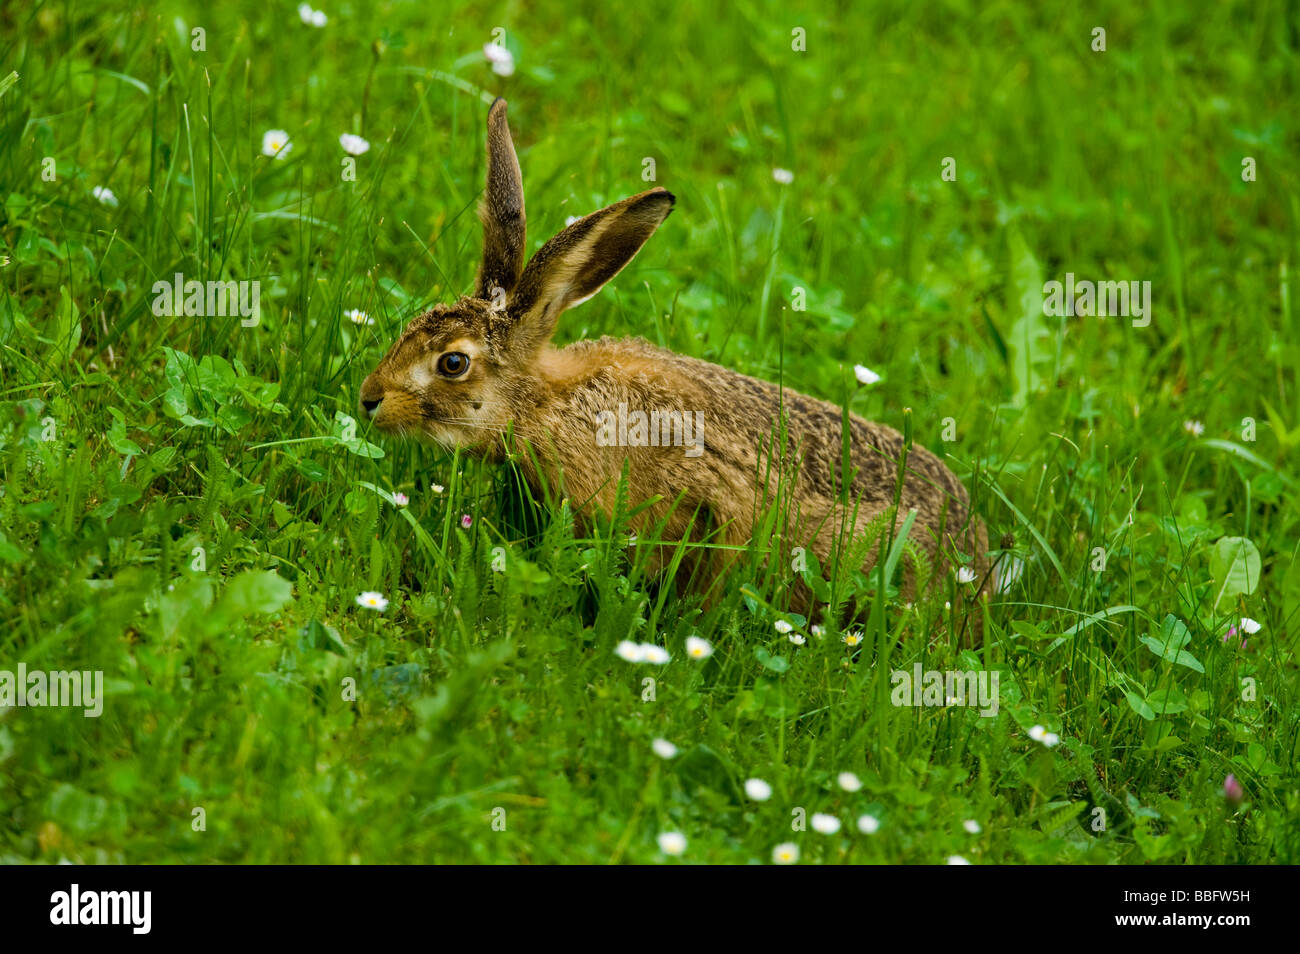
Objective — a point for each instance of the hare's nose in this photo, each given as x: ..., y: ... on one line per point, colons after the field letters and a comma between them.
x: 371, y: 396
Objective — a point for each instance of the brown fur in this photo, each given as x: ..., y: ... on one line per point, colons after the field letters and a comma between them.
x: 552, y: 398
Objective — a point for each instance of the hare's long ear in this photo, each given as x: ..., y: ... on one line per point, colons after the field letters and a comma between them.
x: 577, y: 263
x: 502, y: 210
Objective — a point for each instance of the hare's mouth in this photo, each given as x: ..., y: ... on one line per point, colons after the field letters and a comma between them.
x: 446, y: 433
x: 422, y: 430
x: 419, y: 416
x: 452, y: 433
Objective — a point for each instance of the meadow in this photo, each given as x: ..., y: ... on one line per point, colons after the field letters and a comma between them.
x: 191, y: 504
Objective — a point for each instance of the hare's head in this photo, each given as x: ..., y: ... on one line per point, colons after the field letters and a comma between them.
x: 460, y: 373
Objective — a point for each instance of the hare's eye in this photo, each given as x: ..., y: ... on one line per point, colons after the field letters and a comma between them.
x: 453, y: 364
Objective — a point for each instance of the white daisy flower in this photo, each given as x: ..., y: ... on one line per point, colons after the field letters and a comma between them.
x: 865, y: 375
x: 401, y: 500
x: 852, y: 639
x: 276, y: 144
x: 825, y: 824
x: 1249, y: 626
x: 105, y: 196
x: 956, y: 860
x: 655, y: 655
x: 502, y: 60
x: 972, y: 826
x: 663, y: 748
x: 311, y: 17
x: 358, y: 317
x: 630, y: 651
x: 672, y: 843
x: 372, y: 600
x: 786, y: 853
x: 848, y: 781
x: 783, y: 176
x: 1195, y: 428
x: 1039, y: 734
x: 868, y: 824
x: 966, y: 575
x: 354, y: 145
x: 818, y: 631
x: 797, y: 639
x: 698, y: 648
x: 437, y: 488
x: 782, y: 626
x: 758, y: 790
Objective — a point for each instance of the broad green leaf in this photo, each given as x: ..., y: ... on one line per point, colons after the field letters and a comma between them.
x: 1171, y: 653
x: 117, y: 438
x: 1191, y: 510
x: 190, y: 599
x: 1028, y: 630
x: 256, y: 591
x: 364, y: 448
x: 768, y: 661
x: 282, y: 515
x: 1139, y: 705
x: 1029, y: 340
x: 68, y: 333
x: 318, y: 635
x: 1174, y: 632
x: 1235, y: 566
x: 1167, y: 701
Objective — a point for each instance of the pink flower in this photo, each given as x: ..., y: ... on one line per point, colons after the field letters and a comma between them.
x: 466, y: 521
x: 401, y: 500
x: 1232, y: 790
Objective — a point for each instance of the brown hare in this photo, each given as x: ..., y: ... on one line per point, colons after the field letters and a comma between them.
x: 711, y: 449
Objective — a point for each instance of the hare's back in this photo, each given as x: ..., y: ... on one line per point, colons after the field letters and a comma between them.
x: 741, y: 415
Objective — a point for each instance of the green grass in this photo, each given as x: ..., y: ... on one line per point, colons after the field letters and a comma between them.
x: 243, y: 679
